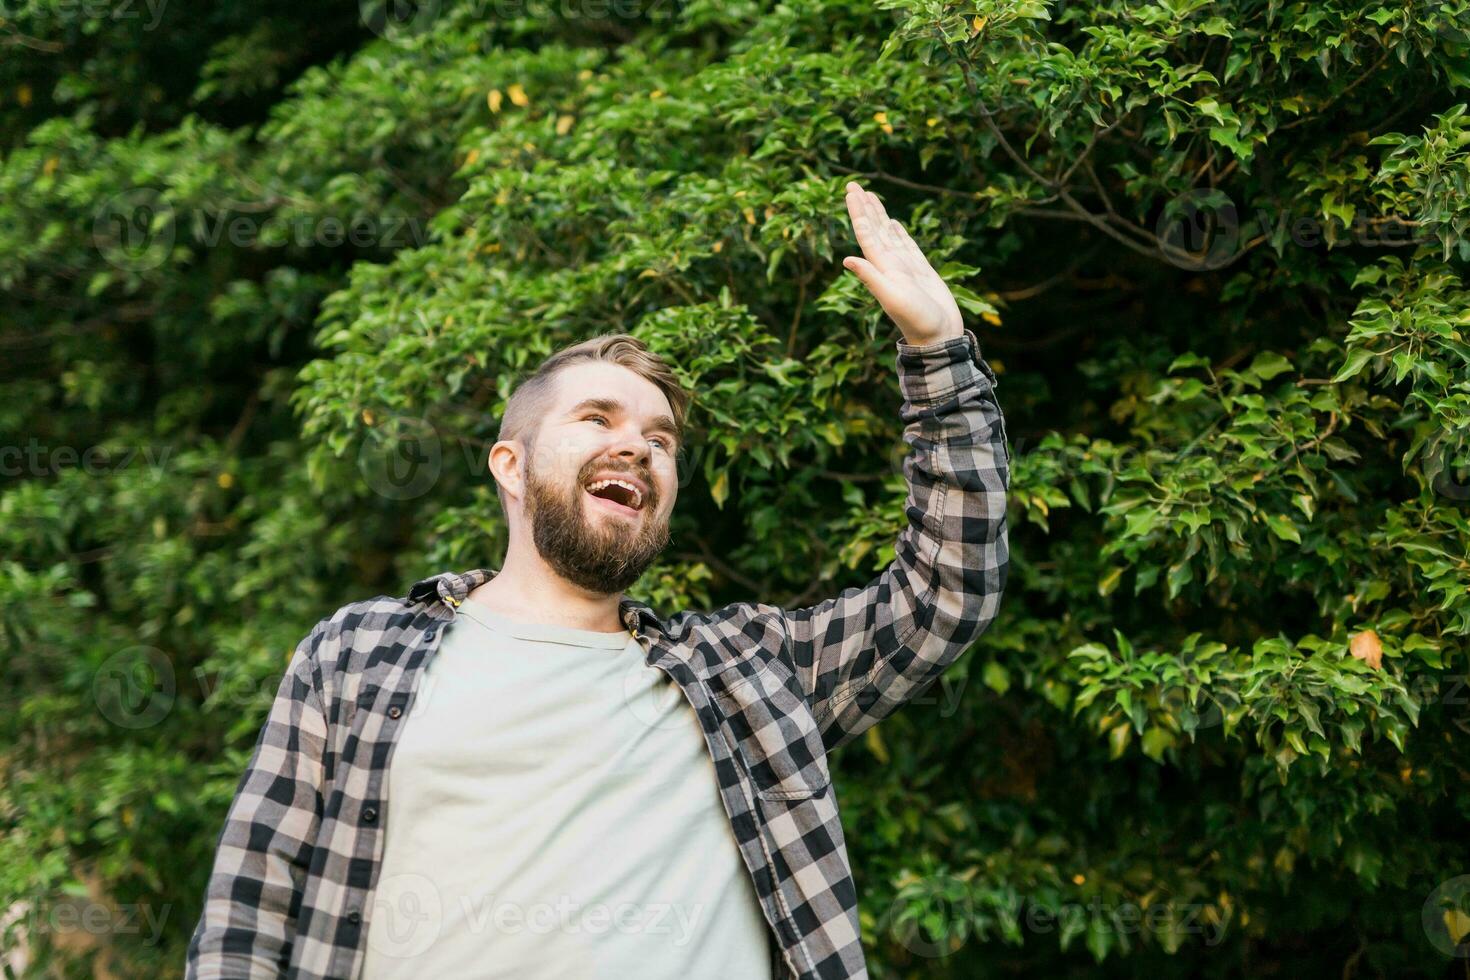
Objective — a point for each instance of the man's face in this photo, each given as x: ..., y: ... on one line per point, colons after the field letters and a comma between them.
x: 605, y: 423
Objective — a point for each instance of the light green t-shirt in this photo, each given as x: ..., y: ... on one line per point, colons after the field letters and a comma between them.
x: 553, y: 812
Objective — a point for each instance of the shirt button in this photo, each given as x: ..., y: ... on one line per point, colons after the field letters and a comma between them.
x: 354, y: 916
x: 429, y: 635
x: 370, y: 814
x: 395, y: 711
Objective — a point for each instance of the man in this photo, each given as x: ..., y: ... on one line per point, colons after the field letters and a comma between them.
x: 525, y: 774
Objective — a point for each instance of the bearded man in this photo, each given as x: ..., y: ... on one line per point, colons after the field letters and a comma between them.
x: 523, y: 773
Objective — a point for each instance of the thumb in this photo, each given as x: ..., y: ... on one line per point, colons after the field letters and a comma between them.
x: 869, y: 275
x: 866, y: 272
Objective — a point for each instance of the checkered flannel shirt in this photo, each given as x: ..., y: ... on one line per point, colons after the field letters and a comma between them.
x: 775, y: 690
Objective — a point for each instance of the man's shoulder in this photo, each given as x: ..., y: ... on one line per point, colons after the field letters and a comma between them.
x: 366, y: 619
x: 731, y: 631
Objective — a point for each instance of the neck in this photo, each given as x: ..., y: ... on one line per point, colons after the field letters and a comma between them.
x: 526, y: 588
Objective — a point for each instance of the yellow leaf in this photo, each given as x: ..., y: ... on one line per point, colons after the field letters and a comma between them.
x: 1079, y: 879
x: 720, y: 489
x: 990, y: 318
x: 23, y: 95
x: 564, y: 124
x: 492, y: 248
x: 1366, y: 646
x: 978, y: 24
x: 225, y: 481
x: 876, y: 746
x: 880, y: 118
x: 367, y: 417
x: 932, y: 121
x: 528, y: 146
x: 49, y: 168
x: 749, y: 215
x: 647, y: 274
x: 717, y: 246
x: 886, y: 128
x: 996, y: 365
x: 517, y: 94
x: 1456, y: 923
x: 471, y: 157
x: 584, y: 74
x: 502, y: 196
x: 494, y: 98
x: 657, y: 93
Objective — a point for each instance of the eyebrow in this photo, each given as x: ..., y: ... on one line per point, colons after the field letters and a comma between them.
x: 661, y: 423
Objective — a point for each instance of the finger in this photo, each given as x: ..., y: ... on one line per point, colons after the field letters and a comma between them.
x: 903, y: 247
x: 873, y: 233
x: 917, y: 262
x: 901, y: 250
x: 867, y: 229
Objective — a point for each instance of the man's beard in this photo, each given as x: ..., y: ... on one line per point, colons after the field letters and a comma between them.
x: 602, y: 556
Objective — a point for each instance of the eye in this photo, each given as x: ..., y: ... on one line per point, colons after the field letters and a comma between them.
x: 591, y: 417
x: 662, y: 445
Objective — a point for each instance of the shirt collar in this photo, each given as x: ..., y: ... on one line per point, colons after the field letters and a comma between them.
x: 453, y: 587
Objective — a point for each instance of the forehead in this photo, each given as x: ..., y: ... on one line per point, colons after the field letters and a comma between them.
x: 601, y: 379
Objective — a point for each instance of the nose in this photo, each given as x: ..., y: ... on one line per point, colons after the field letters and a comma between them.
x: 631, y: 445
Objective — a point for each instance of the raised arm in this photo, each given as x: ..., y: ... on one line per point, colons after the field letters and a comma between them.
x: 254, y: 890
x: 865, y: 652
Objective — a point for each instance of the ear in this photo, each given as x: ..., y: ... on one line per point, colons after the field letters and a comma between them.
x: 506, y: 461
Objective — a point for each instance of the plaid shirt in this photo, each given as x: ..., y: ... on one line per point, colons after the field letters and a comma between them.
x: 775, y: 690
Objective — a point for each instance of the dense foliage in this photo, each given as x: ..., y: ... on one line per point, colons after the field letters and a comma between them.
x: 269, y: 274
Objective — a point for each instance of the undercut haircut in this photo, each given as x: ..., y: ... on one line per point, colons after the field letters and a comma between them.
x: 531, y: 400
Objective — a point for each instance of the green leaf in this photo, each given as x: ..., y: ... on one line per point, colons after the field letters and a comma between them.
x: 996, y: 677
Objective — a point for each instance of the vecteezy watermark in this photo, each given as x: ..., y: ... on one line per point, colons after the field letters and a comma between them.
x: 401, y: 459
x: 78, y: 11
x: 399, y: 20
x: 1199, y: 229
x: 137, y: 230
x: 1449, y: 480
x: 135, y: 688
x: 35, y: 459
x: 1202, y: 229
x: 73, y: 916
x: 936, y: 917
x: 1130, y: 918
x: 408, y: 914
x: 1446, y: 917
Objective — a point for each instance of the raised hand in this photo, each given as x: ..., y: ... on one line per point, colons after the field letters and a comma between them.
x: 897, y: 274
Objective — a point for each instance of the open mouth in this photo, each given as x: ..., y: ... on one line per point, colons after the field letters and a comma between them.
x: 617, y: 496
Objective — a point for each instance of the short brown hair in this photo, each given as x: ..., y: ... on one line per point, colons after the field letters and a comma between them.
x: 530, y: 400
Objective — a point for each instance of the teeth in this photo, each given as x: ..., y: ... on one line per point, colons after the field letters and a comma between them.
x: 637, y: 496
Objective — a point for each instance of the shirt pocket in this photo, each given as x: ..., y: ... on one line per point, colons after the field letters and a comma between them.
x: 775, y: 733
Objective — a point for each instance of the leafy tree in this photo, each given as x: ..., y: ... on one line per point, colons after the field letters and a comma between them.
x: 260, y: 263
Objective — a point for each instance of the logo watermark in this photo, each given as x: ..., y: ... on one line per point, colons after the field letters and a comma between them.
x: 1446, y: 917
x: 135, y: 688
x: 137, y: 230
x: 38, y: 460
x: 408, y: 912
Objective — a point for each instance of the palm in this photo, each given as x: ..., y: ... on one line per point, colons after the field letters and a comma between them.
x: 897, y: 274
